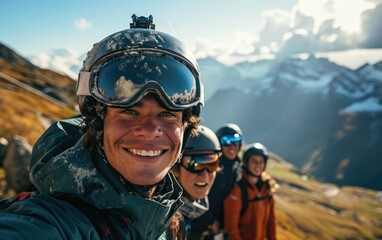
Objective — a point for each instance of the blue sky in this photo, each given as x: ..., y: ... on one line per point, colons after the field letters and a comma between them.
x: 229, y: 31
x: 34, y: 26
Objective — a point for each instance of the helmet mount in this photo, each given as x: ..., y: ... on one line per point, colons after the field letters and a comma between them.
x: 142, y: 22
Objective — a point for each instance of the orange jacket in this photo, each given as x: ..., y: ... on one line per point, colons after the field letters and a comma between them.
x: 257, y: 222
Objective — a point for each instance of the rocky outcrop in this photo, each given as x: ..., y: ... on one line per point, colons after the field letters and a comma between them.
x: 16, y: 164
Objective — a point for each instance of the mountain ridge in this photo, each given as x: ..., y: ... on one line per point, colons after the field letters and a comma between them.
x: 307, y: 115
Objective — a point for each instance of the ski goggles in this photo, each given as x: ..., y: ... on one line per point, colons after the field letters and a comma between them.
x: 124, y: 79
x: 229, y: 139
x: 197, y: 163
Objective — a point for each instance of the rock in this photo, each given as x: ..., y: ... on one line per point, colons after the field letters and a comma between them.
x: 16, y: 164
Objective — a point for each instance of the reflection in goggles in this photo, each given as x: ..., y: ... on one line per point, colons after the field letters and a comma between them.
x: 197, y: 163
x: 122, y: 80
x: 228, y: 140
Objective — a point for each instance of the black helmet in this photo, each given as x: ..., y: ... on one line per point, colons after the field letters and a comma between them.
x: 229, y: 134
x: 205, y: 141
x: 255, y: 149
x: 229, y: 128
x: 123, y: 67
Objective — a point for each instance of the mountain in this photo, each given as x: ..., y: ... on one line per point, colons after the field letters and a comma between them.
x: 31, y: 97
x: 10, y: 56
x: 322, y: 117
x: 244, y: 76
x: 300, y: 109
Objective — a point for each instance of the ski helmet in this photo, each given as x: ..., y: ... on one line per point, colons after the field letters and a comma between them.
x: 125, y: 66
x: 206, y: 141
x: 255, y: 149
x: 229, y: 133
x: 229, y: 128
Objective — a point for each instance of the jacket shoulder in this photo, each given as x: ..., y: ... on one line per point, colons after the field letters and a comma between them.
x: 44, y: 216
x: 60, y: 136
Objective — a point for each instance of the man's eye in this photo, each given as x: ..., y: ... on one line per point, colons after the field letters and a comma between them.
x: 167, y: 114
x: 128, y: 111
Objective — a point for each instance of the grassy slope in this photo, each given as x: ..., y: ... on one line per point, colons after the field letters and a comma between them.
x: 22, y: 112
x: 307, y: 209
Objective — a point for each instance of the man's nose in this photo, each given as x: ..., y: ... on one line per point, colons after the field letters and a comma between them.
x: 149, y: 127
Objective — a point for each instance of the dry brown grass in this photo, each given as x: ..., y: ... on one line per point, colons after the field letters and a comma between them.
x: 21, y: 113
x: 307, y: 210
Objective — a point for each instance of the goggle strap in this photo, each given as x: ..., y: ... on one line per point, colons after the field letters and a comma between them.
x: 83, y: 84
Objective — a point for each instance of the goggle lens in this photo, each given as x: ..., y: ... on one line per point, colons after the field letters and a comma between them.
x: 228, y: 140
x: 122, y: 80
x: 197, y: 163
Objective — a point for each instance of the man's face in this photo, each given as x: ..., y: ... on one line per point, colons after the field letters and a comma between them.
x: 144, y: 141
x: 256, y: 165
x: 230, y: 151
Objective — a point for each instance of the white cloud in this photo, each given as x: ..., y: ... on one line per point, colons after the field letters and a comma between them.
x: 372, y: 27
x: 346, y: 14
x: 65, y: 61
x: 204, y: 48
x: 244, y: 43
x: 42, y: 60
x: 310, y: 27
x: 82, y: 24
x: 277, y: 22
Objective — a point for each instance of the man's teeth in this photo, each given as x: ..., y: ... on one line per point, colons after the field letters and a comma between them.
x: 144, y: 153
x: 201, y: 184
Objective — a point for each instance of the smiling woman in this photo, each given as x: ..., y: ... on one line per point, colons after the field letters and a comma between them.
x: 249, y: 209
x: 196, y: 173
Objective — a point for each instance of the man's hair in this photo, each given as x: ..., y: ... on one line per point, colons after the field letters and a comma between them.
x: 95, y: 113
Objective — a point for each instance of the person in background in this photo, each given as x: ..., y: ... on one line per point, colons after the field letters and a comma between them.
x: 249, y: 209
x: 211, y: 223
x: 140, y: 95
x: 196, y: 173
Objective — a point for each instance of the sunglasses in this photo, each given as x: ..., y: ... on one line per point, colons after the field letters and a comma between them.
x: 197, y: 163
x: 229, y: 139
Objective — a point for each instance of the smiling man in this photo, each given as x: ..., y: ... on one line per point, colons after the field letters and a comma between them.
x: 140, y: 96
x: 143, y: 141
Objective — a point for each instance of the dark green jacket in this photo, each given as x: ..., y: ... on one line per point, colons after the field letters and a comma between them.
x: 73, y: 172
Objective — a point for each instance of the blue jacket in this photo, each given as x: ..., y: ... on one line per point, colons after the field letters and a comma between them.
x: 61, y: 166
